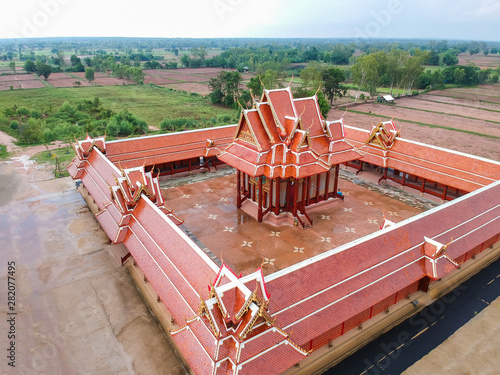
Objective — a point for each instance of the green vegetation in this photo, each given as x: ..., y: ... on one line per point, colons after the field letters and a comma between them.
x: 225, y: 89
x: 60, y: 158
x: 183, y: 123
x: 3, y: 151
x: 150, y: 103
x: 69, y: 121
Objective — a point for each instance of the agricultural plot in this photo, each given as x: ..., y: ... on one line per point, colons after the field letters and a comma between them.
x: 26, y: 84
x: 157, y: 80
x: 482, y: 61
x: 191, y: 87
x: 82, y: 74
x: 64, y: 80
x: 187, y: 79
x: 110, y: 81
x: 68, y: 83
x: 19, y: 81
x: 454, y: 119
x: 473, y: 96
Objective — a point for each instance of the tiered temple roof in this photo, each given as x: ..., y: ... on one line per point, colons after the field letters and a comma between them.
x: 286, y: 137
x: 233, y: 331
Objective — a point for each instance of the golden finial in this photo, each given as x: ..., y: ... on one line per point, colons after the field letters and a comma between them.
x: 319, y: 88
x: 260, y: 79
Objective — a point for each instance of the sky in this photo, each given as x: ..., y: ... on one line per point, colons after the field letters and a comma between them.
x: 422, y: 19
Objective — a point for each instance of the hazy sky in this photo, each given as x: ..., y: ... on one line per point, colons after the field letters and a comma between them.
x: 436, y: 19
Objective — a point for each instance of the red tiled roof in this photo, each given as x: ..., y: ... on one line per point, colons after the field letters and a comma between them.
x: 193, y: 352
x: 455, y: 169
x: 352, y: 278
x: 273, y: 360
x: 283, y: 137
x: 164, y: 148
x: 360, y: 274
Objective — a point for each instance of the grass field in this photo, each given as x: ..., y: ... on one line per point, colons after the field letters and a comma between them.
x: 62, y: 156
x: 150, y: 103
x: 3, y: 151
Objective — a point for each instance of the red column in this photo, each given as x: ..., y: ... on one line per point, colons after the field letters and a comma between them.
x: 327, y: 184
x: 336, y: 182
x: 295, y: 196
x: 445, y: 191
x: 259, y: 212
x: 304, y: 190
x: 318, y: 180
x: 422, y: 189
x: 271, y: 194
x: 278, y: 189
x: 308, y: 196
x: 238, y: 189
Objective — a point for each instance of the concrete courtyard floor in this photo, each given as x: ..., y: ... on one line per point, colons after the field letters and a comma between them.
x: 77, y: 311
x: 210, y: 213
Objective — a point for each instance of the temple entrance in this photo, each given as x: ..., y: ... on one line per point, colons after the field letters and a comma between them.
x: 278, y: 196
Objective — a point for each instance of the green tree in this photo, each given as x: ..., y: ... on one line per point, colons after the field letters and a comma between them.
x: 12, y: 66
x: 311, y: 76
x: 60, y: 58
x: 365, y: 72
x: 29, y: 66
x: 412, y: 70
x: 225, y: 88
x: 396, y: 59
x: 437, y: 79
x: 332, y: 78
x: 341, y: 54
x: 200, y: 53
x: 89, y: 74
x: 75, y: 60
x: 458, y: 76
x: 186, y: 61
x: 43, y: 69
x: 255, y: 86
x: 450, y: 57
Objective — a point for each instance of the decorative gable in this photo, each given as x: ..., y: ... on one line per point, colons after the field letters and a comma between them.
x: 383, y: 135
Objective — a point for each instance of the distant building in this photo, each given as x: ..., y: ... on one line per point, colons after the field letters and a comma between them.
x: 386, y: 99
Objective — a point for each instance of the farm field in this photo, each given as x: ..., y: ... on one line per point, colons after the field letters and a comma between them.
x: 188, y: 79
x: 150, y: 103
x: 482, y: 61
x: 454, y: 119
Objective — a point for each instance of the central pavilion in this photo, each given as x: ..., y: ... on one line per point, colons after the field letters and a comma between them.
x: 287, y: 156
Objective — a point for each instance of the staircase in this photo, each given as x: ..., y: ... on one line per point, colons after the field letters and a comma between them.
x: 304, y: 220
